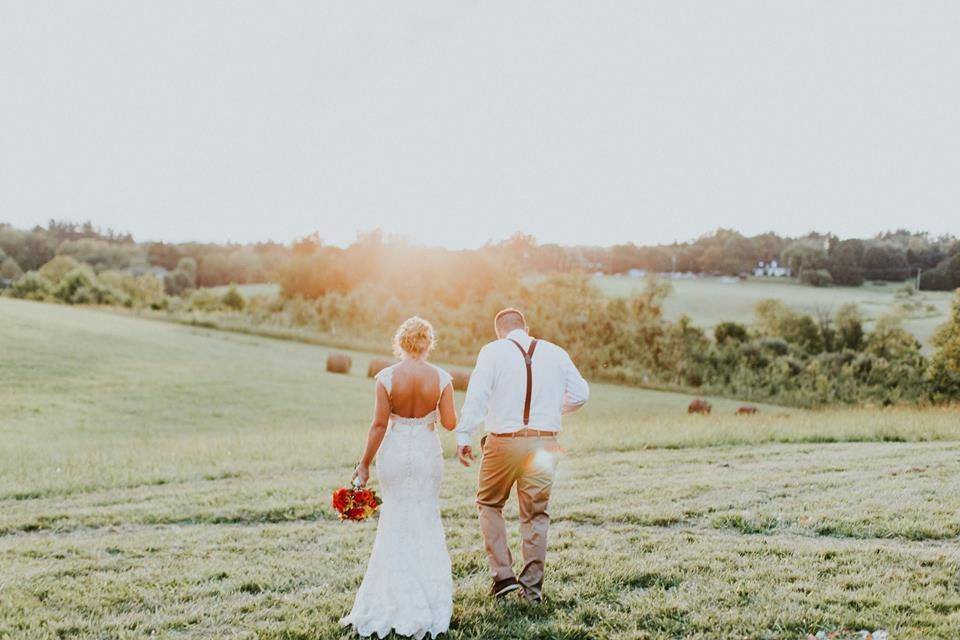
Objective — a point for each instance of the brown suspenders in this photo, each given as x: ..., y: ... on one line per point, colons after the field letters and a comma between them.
x: 528, y: 359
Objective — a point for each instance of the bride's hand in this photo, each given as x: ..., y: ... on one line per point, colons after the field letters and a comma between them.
x: 361, y: 473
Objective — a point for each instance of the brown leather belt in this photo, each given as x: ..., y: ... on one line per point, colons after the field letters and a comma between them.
x: 526, y: 433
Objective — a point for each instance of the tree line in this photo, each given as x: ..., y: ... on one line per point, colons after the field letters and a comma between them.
x: 357, y: 295
x: 208, y: 264
x: 816, y: 259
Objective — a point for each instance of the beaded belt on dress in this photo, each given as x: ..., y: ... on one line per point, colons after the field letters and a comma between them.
x: 400, y: 423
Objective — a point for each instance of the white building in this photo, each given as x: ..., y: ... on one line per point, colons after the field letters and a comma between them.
x: 771, y: 270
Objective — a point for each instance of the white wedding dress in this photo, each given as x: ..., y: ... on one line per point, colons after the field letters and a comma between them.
x: 408, y: 587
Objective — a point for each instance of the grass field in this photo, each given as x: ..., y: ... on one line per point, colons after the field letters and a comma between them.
x: 712, y: 300
x: 160, y: 480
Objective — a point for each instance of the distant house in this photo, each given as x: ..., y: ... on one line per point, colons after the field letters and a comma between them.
x: 637, y: 273
x: 771, y: 270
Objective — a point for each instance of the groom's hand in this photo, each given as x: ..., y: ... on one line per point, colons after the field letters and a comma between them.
x: 465, y: 455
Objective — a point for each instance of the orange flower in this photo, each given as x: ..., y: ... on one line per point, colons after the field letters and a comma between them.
x: 355, y: 513
x: 341, y: 499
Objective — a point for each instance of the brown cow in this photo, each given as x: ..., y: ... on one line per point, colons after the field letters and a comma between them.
x: 747, y: 410
x: 700, y: 405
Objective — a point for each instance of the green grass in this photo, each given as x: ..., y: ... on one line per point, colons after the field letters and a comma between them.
x: 709, y: 301
x: 167, y: 480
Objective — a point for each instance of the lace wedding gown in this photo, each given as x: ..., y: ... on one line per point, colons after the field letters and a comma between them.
x: 408, y: 586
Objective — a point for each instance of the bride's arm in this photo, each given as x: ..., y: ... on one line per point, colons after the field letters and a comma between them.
x: 378, y: 428
x: 448, y: 410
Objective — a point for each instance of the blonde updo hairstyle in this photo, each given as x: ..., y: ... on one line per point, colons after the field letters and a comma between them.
x: 414, y: 337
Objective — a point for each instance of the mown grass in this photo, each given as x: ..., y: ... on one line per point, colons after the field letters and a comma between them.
x: 158, y: 479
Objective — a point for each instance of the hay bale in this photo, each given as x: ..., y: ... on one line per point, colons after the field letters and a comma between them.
x: 339, y: 363
x: 376, y: 366
x: 700, y: 405
x: 460, y: 379
x: 747, y: 410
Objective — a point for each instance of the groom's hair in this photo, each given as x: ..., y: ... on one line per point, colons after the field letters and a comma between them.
x: 507, y: 320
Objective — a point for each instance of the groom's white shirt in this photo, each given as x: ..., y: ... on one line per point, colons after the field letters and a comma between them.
x: 498, y: 387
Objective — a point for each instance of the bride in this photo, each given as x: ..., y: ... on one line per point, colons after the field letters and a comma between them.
x: 407, y: 588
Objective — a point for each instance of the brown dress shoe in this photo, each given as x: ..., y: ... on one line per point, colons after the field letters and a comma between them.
x: 503, y: 587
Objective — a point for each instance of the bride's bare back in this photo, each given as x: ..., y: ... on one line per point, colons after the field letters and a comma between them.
x: 416, y: 389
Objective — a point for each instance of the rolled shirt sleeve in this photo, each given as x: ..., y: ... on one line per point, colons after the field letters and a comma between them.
x: 577, y: 391
x: 474, y: 409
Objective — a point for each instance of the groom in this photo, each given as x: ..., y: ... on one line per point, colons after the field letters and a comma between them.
x: 519, y: 388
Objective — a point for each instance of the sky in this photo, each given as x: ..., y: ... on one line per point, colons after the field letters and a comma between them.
x: 458, y: 122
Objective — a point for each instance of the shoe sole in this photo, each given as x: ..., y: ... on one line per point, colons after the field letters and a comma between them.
x: 505, y: 590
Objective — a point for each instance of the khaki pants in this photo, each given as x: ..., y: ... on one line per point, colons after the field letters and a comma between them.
x: 530, y: 463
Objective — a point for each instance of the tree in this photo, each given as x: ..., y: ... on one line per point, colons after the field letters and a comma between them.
x: 183, y: 278
x: 623, y: 257
x: 100, y: 254
x: 30, y: 249
x: 232, y: 299
x: 885, y: 262
x: 806, y: 254
x: 768, y: 246
x: 730, y: 331
x: 136, y: 291
x: 188, y: 266
x: 712, y: 260
x: 74, y: 286
x: 313, y: 275
x: 31, y: 286
x: 55, y: 270
x: 848, y: 325
x: 943, y: 374
x: 9, y: 269
x: 739, y: 255
x: 164, y: 255
x: 816, y: 277
x: 845, y: 263
x: 774, y: 318
x: 890, y: 341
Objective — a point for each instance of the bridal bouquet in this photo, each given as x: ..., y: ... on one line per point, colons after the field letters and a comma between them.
x: 355, y: 503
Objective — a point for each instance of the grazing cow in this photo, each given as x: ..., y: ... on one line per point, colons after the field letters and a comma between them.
x: 339, y: 363
x: 700, y: 405
x: 460, y: 380
x: 376, y: 366
x: 747, y: 410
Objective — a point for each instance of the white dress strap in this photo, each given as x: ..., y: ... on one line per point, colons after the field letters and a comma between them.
x: 385, y: 377
x: 445, y: 378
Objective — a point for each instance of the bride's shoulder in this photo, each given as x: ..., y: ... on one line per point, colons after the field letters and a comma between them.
x: 385, y: 375
x: 445, y: 377
x: 439, y: 370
